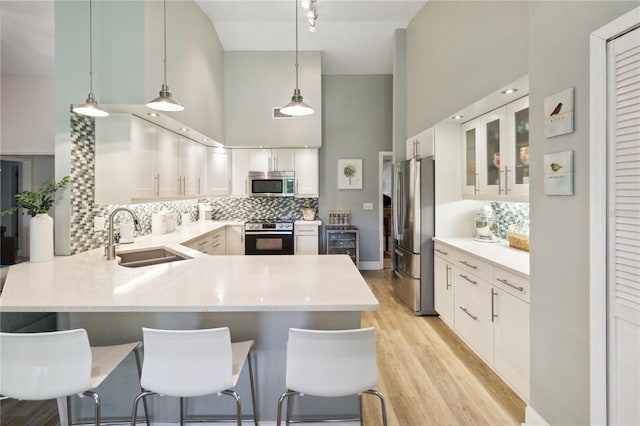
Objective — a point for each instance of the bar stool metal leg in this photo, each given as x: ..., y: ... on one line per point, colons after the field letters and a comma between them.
x: 134, y: 414
x: 144, y: 401
x: 284, y: 396
x: 382, y: 404
x: 253, y: 390
x: 238, y: 406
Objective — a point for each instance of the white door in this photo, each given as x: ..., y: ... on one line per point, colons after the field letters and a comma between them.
x: 623, y: 229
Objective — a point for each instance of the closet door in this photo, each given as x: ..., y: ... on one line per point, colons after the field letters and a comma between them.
x: 623, y: 233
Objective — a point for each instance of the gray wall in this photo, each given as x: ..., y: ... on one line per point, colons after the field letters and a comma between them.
x: 559, y: 59
x: 458, y: 53
x: 255, y: 83
x: 356, y: 124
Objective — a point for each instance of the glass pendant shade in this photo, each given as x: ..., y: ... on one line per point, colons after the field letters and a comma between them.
x: 296, y: 106
x: 165, y: 102
x: 90, y: 108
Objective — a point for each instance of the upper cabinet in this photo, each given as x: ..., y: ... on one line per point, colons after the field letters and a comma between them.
x: 218, y: 171
x: 256, y: 83
x: 307, y: 172
x: 137, y: 160
x: 496, y: 154
x: 270, y: 160
x: 421, y: 145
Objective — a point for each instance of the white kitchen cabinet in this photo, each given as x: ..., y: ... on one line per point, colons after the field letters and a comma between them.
x: 306, y: 169
x: 218, y: 171
x: 444, y: 278
x: 511, y: 335
x: 495, y: 154
x: 193, y: 168
x: 240, y: 171
x: 305, y: 238
x: 135, y: 161
x: 212, y: 243
x: 271, y: 159
x: 421, y: 145
x: 234, y: 243
x: 490, y: 307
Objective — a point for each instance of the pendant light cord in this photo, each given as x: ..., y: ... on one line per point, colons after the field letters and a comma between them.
x: 296, y: 3
x: 90, y: 47
x: 165, y: 42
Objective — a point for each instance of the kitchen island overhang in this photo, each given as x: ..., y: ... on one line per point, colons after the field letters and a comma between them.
x: 257, y: 297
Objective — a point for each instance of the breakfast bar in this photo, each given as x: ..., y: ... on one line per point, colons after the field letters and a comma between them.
x: 257, y: 297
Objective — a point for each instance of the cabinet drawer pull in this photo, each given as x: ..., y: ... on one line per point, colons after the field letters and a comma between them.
x: 505, y: 282
x: 493, y: 309
x: 440, y: 251
x: 464, y: 262
x: 468, y: 279
x: 473, y: 317
x: 448, y: 271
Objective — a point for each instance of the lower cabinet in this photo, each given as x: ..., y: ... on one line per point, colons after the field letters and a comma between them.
x: 305, y: 239
x: 234, y: 243
x: 488, y: 307
x: 212, y: 243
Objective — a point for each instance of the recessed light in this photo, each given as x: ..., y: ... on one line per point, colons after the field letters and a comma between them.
x: 152, y: 114
x: 205, y: 139
x: 509, y: 91
x: 184, y: 129
x: 457, y: 117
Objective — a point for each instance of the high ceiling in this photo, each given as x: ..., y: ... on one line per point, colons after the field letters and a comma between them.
x: 355, y: 36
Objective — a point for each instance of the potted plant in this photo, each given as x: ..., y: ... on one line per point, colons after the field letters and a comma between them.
x: 37, y: 204
x: 308, y: 212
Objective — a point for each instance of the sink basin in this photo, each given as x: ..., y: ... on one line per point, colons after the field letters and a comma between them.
x: 149, y: 256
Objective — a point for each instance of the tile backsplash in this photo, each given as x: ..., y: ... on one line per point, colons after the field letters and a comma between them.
x: 505, y: 214
x: 84, y: 209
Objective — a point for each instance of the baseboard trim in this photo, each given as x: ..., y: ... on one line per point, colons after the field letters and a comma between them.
x: 532, y: 418
x: 369, y: 266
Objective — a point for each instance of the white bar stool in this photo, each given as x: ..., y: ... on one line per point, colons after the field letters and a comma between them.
x: 331, y: 364
x: 184, y: 363
x: 38, y: 366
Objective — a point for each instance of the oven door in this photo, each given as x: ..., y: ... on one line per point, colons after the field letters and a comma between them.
x: 267, y: 242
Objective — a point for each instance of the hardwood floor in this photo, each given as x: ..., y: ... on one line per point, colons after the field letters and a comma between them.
x: 427, y: 375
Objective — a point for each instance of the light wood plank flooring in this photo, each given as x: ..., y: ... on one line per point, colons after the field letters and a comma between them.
x: 427, y: 375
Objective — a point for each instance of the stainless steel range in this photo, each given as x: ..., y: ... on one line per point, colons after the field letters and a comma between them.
x: 268, y: 237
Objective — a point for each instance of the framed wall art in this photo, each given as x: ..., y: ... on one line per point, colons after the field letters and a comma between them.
x: 350, y: 173
x: 558, y: 113
x: 558, y: 173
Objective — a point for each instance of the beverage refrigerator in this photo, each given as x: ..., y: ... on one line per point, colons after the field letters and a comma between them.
x: 413, y: 229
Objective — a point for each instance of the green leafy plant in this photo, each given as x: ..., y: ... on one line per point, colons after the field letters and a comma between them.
x: 37, y: 202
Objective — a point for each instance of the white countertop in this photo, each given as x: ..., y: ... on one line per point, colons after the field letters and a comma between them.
x: 499, y: 253
x: 87, y: 282
x: 316, y: 222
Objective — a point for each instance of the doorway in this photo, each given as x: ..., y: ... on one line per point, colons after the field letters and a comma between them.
x: 384, y: 201
x: 15, y: 175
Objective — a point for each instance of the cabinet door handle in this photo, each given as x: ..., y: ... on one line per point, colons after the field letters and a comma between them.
x: 199, y: 189
x: 447, y: 277
x: 506, y: 180
x: 468, y: 279
x: 417, y: 148
x: 440, y: 251
x: 246, y: 186
x: 158, y: 185
x: 464, y: 262
x: 500, y: 181
x: 473, y: 317
x: 179, y: 185
x: 505, y: 282
x: 297, y: 191
x: 493, y: 309
x: 242, y: 236
x: 476, y: 187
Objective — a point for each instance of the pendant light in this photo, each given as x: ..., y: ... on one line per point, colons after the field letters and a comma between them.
x: 90, y: 106
x: 296, y: 106
x: 165, y: 102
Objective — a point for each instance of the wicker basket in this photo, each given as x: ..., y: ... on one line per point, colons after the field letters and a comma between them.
x: 518, y: 240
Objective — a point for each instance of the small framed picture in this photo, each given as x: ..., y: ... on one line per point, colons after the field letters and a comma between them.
x: 350, y: 173
x: 558, y: 173
x: 558, y: 113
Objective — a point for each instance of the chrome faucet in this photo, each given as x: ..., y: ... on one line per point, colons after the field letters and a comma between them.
x: 110, y: 249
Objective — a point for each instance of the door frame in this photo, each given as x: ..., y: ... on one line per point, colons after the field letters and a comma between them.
x: 25, y: 185
x: 382, y: 156
x: 598, y: 210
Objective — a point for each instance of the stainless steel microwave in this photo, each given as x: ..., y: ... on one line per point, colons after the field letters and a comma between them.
x: 271, y: 184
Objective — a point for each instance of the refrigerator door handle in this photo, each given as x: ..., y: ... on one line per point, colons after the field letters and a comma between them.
x: 396, y: 203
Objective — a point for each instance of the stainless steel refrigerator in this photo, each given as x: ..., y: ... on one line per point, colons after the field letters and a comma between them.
x: 413, y: 229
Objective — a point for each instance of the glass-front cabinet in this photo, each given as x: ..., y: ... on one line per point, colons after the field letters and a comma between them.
x: 496, y: 153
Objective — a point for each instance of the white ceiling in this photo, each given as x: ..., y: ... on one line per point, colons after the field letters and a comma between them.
x: 355, y: 36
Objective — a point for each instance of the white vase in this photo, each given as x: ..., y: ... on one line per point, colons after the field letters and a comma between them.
x: 41, y: 238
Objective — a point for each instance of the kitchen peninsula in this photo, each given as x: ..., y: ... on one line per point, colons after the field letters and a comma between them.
x: 257, y: 297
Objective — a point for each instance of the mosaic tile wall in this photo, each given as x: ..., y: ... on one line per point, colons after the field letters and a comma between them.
x: 505, y: 214
x: 84, y: 209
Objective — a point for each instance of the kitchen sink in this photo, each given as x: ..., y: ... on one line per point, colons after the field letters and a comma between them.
x: 149, y: 256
